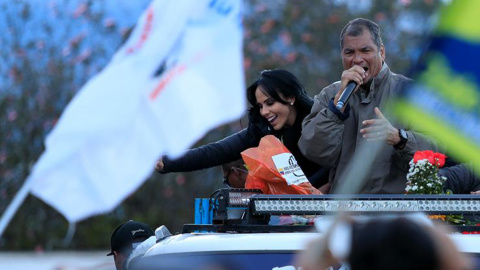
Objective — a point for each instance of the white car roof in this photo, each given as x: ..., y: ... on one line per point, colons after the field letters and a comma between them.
x: 264, y: 242
x: 468, y: 243
x: 202, y: 242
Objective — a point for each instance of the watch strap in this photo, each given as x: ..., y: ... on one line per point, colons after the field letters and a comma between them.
x: 403, y: 139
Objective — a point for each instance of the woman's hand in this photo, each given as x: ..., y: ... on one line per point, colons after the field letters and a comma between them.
x: 159, y: 166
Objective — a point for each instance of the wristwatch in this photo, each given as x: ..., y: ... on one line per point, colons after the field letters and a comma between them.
x: 403, y: 139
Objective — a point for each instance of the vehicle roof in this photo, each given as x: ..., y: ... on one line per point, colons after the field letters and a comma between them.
x: 265, y: 242
x: 469, y: 243
x: 201, y: 242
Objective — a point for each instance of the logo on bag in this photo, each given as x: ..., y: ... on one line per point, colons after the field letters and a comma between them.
x: 288, y: 168
x: 297, y: 170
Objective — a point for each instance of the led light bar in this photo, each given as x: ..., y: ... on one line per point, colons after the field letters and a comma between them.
x: 238, y: 197
x: 324, y: 204
x: 231, y: 205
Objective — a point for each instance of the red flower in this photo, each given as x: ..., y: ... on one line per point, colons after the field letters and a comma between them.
x: 440, y: 159
x: 437, y: 159
x: 420, y: 155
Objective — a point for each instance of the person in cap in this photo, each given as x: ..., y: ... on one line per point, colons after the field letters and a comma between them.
x: 125, y: 238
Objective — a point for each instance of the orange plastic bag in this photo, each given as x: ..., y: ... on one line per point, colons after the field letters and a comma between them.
x: 274, y: 170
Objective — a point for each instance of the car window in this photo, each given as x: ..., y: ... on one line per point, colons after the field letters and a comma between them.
x: 216, y: 260
x: 476, y: 260
x: 233, y: 261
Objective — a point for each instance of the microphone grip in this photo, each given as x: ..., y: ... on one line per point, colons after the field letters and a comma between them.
x: 346, y: 94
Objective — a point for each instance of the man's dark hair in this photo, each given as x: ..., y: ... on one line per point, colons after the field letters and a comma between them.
x: 239, y: 163
x: 354, y: 28
x: 395, y: 244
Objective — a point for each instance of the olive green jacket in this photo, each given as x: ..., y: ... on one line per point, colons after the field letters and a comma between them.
x: 331, y: 141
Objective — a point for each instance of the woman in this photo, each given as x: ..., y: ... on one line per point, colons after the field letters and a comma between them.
x: 279, y: 104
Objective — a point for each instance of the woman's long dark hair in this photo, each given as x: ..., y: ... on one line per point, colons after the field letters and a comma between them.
x: 277, y: 81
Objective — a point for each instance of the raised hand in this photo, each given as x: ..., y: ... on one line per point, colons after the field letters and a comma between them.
x: 354, y: 74
x: 380, y: 129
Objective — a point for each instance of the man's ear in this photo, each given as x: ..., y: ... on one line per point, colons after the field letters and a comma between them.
x: 382, y: 52
x: 117, y: 254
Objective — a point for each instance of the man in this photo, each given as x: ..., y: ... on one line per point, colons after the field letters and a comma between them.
x: 125, y: 238
x: 461, y: 179
x: 234, y: 174
x: 331, y: 136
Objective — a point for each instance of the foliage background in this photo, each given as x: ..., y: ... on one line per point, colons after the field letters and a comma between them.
x: 49, y: 49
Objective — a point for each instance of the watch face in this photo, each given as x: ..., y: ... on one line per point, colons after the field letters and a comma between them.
x: 403, y: 134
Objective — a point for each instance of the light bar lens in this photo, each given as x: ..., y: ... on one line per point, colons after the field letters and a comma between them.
x: 325, y: 206
x: 240, y: 198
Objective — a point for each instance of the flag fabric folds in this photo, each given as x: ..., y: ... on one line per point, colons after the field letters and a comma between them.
x: 178, y: 75
x: 445, y: 100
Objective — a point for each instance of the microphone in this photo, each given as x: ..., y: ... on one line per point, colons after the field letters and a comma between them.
x: 347, y: 93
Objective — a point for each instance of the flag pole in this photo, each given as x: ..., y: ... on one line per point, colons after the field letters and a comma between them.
x: 14, y: 205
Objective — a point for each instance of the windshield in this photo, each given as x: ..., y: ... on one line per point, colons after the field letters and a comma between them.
x: 233, y: 261
x: 216, y: 260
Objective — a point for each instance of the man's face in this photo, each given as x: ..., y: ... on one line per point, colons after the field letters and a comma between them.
x: 236, y: 177
x: 362, y: 51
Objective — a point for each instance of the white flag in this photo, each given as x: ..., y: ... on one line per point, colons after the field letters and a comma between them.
x: 179, y: 75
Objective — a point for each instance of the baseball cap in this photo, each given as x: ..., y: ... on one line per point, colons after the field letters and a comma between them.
x: 125, y: 236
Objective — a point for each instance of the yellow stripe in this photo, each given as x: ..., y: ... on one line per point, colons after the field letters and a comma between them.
x: 459, y: 146
x: 461, y: 19
x: 440, y: 77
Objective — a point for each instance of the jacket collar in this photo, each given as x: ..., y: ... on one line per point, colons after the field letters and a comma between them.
x: 380, y: 76
x: 376, y: 81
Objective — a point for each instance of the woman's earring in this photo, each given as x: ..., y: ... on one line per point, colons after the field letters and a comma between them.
x: 291, y: 103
